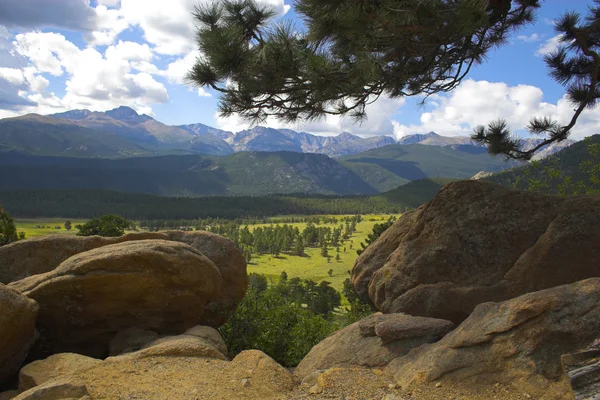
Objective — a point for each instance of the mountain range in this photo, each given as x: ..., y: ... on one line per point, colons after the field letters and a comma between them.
x: 122, y: 132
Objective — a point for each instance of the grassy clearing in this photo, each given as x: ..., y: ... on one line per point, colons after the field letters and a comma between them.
x: 45, y: 226
x: 313, y: 265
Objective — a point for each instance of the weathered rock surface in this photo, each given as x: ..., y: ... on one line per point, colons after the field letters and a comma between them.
x: 231, y: 264
x: 17, y: 330
x: 130, y: 340
x: 475, y: 242
x: 60, y: 389
x: 372, y: 342
x: 25, y: 258
x: 200, y: 341
x: 55, y: 366
x: 516, y: 343
x: 251, y: 375
x: 157, y: 285
x: 38, y: 255
x: 583, y: 369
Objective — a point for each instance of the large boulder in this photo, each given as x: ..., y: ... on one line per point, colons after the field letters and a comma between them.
x: 475, y: 242
x: 38, y: 255
x: 59, y: 389
x: 372, y: 342
x: 17, y: 330
x: 25, y: 258
x: 231, y: 263
x: 159, y: 285
x: 516, y: 343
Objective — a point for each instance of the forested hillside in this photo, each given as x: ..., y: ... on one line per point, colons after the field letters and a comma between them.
x: 91, y: 203
x: 390, y: 166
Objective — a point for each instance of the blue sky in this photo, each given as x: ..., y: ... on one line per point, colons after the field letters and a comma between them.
x: 57, y: 55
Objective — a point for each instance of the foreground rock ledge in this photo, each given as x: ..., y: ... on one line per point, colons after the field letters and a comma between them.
x: 475, y: 242
x: 372, y: 342
x: 158, y: 285
x: 516, y: 343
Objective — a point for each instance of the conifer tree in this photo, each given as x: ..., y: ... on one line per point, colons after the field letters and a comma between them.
x: 353, y: 52
x: 8, y: 229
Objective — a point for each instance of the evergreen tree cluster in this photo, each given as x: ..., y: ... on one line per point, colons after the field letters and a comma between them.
x: 277, y: 239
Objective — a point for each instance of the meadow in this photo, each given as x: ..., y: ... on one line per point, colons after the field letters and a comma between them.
x: 311, y: 266
x: 314, y: 266
x: 46, y: 226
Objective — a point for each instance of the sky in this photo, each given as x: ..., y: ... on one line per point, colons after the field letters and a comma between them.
x: 59, y: 55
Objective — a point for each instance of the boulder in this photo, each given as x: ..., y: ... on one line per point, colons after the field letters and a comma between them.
x: 251, y: 375
x: 58, y: 365
x: 60, y: 389
x: 17, y: 330
x: 372, y: 342
x: 231, y: 263
x: 583, y: 369
x: 159, y: 285
x: 517, y: 343
x: 200, y: 341
x: 29, y: 257
x: 42, y: 254
x: 474, y: 242
x: 259, y: 367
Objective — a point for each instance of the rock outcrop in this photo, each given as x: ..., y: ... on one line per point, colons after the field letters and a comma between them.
x: 42, y: 254
x: 583, y: 369
x: 476, y: 242
x: 200, y: 341
x: 157, y: 285
x: 250, y: 375
x: 60, y: 389
x: 372, y: 342
x: 516, y: 343
x: 230, y: 262
x: 30, y: 257
x: 17, y: 330
x: 59, y: 365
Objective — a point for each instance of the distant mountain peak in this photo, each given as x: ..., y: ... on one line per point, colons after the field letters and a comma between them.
x: 124, y: 113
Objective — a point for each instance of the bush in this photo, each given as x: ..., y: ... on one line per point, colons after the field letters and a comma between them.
x: 8, y: 230
x: 285, y: 320
x: 109, y: 225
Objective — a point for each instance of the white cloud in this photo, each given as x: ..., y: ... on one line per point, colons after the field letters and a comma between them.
x: 534, y: 37
x: 110, y: 23
x: 93, y: 80
x: 476, y: 103
x: 549, y: 46
x: 13, y: 76
x: 129, y: 51
x: 203, y: 93
x: 170, y: 28
x: 178, y: 69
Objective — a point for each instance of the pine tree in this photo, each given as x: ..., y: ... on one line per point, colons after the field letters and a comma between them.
x: 352, y: 52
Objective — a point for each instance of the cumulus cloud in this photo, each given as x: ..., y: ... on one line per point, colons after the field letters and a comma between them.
x: 476, y: 103
x: 94, y: 80
x: 549, y: 46
x: 36, y: 14
x: 172, y: 32
x: 534, y: 37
